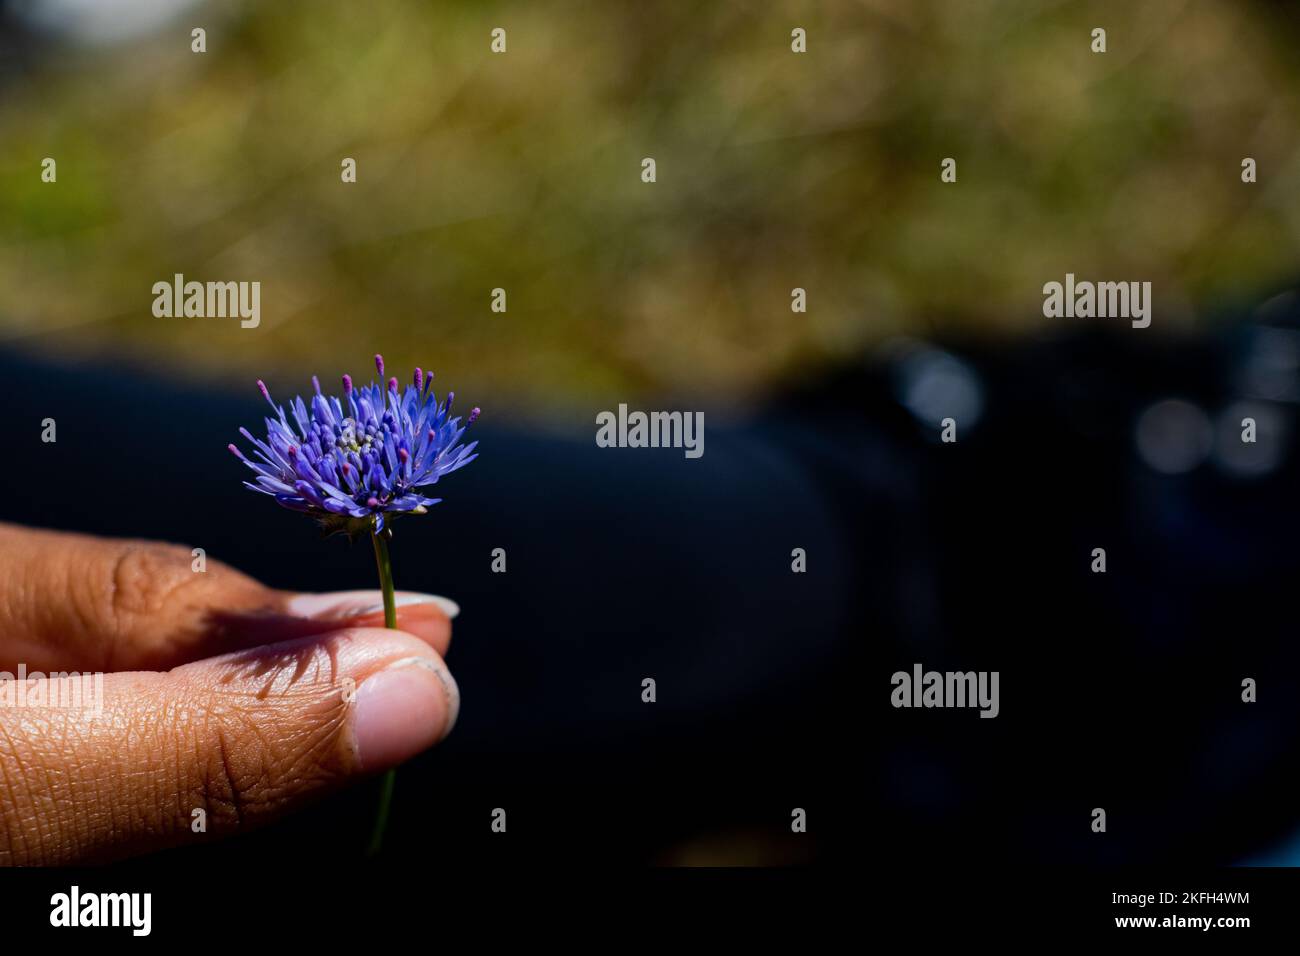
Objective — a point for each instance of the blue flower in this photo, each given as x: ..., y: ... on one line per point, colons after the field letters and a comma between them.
x: 356, y: 463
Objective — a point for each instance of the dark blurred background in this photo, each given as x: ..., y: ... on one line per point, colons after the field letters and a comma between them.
x: 775, y: 170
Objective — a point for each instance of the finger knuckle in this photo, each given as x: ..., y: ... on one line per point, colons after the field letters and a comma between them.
x: 146, y: 577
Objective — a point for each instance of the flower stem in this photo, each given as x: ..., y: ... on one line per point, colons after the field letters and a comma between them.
x: 380, y: 540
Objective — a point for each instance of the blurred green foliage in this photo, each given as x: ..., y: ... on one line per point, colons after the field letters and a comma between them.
x: 522, y: 171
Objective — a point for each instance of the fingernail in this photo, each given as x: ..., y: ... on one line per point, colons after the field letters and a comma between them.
x: 409, y: 598
x: 402, y: 710
x: 341, y: 605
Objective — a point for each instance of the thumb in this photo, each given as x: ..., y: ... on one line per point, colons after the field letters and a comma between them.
x: 234, y: 741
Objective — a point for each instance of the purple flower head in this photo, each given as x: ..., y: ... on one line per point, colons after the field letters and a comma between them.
x: 356, y: 463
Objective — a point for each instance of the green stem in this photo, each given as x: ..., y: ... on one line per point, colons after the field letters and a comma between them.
x: 380, y: 540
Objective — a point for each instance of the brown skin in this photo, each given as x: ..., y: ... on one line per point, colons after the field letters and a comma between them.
x: 217, y: 696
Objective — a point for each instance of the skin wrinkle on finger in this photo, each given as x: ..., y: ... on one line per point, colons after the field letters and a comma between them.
x: 228, y: 776
x: 245, y: 765
x: 11, y: 802
x: 253, y: 765
x: 34, y: 808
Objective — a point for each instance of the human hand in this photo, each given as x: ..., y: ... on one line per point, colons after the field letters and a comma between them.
x: 219, y: 695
